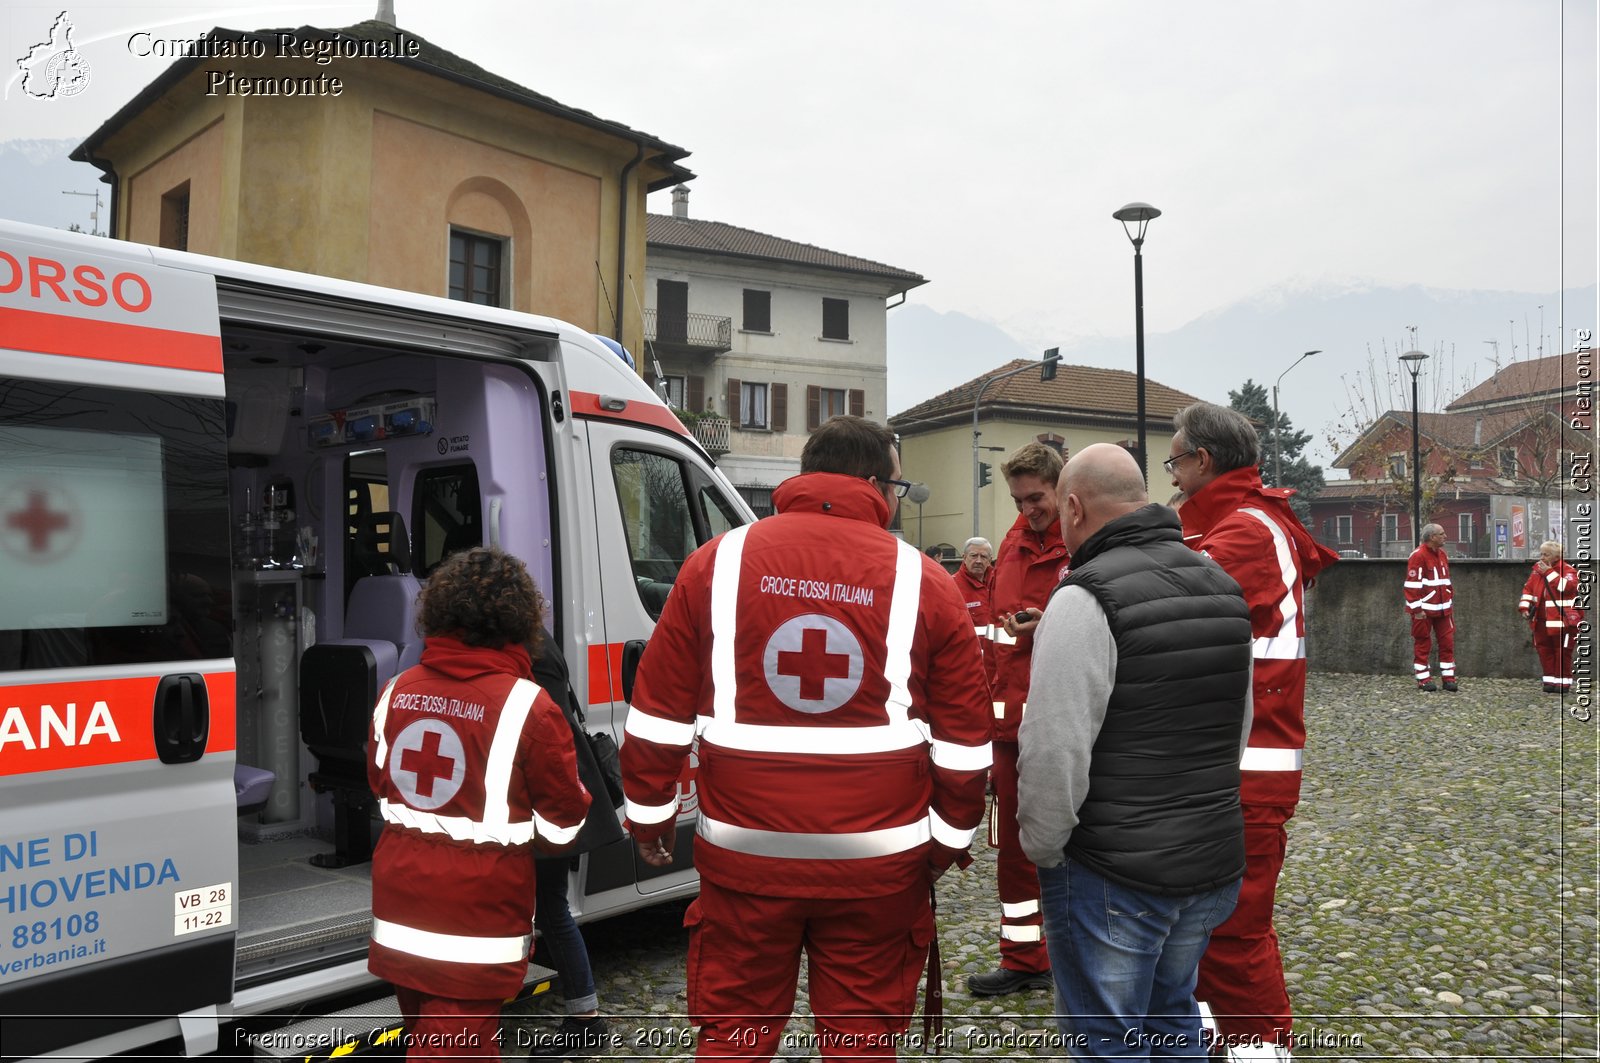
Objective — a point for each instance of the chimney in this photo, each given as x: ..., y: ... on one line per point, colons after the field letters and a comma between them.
x: 385, y: 13
x: 680, y: 203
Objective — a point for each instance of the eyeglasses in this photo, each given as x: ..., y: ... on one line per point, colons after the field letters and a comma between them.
x: 899, y: 487
x: 1172, y: 461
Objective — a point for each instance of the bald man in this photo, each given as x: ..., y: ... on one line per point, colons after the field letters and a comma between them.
x: 1138, y: 713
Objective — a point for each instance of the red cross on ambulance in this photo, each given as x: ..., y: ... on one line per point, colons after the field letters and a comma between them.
x: 428, y: 764
x: 37, y: 521
x: 813, y: 663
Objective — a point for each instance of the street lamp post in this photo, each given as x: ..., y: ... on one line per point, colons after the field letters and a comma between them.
x: 1413, y: 361
x: 1277, y: 450
x: 919, y: 494
x: 1140, y: 214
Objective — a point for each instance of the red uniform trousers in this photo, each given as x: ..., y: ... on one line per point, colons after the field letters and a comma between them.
x: 446, y: 1028
x: 865, y: 960
x: 1555, y: 656
x: 1241, y: 973
x: 1425, y: 627
x: 1021, y: 920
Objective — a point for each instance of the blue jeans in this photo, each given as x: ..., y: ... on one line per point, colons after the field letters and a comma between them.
x: 568, y: 954
x: 1125, y: 963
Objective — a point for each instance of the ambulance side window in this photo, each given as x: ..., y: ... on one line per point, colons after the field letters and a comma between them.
x: 717, y: 514
x: 653, y: 492
x: 114, y: 534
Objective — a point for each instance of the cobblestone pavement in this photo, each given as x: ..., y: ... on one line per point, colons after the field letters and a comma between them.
x: 1438, y: 901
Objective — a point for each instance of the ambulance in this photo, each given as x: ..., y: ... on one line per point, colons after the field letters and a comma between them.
x: 220, y: 488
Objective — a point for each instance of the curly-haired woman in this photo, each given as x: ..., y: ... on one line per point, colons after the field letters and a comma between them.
x: 474, y: 770
x: 1548, y: 603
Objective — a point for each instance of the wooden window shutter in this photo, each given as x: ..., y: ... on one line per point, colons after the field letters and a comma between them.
x: 695, y: 394
x: 813, y: 407
x: 733, y: 400
x: 780, y: 407
x: 858, y: 402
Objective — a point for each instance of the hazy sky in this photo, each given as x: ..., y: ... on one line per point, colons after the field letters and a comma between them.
x: 986, y: 145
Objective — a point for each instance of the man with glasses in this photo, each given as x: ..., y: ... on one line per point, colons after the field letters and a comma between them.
x: 1251, y: 531
x: 831, y: 677
x: 1032, y: 561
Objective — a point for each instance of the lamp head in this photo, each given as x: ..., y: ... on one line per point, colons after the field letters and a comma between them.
x: 1413, y: 360
x: 1138, y: 213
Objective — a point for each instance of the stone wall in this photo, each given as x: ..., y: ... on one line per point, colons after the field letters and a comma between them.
x: 1357, y: 623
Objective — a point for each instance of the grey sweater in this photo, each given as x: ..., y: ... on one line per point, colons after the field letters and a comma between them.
x: 1074, y: 669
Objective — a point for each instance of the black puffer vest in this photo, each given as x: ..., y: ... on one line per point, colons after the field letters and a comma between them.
x: 1162, y: 812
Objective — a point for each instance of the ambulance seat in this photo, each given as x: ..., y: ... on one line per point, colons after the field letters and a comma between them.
x: 339, y: 685
x: 383, y: 604
x: 251, y: 788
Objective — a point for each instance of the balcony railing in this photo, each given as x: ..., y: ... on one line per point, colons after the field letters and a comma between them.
x: 689, y: 333
x: 712, y: 432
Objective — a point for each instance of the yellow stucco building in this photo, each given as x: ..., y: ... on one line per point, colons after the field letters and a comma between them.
x: 1082, y: 405
x: 369, y: 154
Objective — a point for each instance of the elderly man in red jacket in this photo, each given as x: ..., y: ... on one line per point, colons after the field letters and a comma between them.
x: 830, y: 675
x: 974, y: 580
x: 1430, y: 600
x: 1252, y: 533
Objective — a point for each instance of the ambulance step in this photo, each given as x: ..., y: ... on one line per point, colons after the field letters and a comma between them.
x: 367, y: 1029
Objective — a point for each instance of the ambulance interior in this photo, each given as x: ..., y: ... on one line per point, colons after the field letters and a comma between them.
x: 354, y: 469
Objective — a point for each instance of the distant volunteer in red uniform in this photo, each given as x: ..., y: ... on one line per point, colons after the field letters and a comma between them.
x: 1251, y: 531
x: 474, y: 769
x: 832, y: 677
x: 974, y: 580
x: 1549, y: 604
x: 1033, y: 560
x: 1430, y: 600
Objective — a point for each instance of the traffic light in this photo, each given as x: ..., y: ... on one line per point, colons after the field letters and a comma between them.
x: 983, y: 474
x: 1047, y: 368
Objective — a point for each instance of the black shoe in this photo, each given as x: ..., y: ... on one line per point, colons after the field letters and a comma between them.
x: 574, y: 1037
x: 999, y: 983
x: 1427, y: 687
x: 1450, y: 685
x: 1551, y: 688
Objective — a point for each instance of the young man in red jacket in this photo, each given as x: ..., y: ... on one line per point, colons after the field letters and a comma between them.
x: 1033, y: 560
x: 1252, y: 533
x: 474, y: 770
x: 1430, y: 599
x: 828, y: 675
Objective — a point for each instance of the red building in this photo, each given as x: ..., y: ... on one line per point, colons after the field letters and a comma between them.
x: 1502, y: 467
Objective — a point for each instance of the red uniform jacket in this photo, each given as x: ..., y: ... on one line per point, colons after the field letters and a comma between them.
x: 1252, y: 533
x: 472, y: 765
x: 831, y: 677
x: 1026, y: 572
x: 976, y: 594
x: 1428, y: 589
x: 1548, y: 597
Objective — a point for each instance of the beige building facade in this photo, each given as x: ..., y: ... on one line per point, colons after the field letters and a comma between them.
x: 424, y: 172
x: 1081, y: 406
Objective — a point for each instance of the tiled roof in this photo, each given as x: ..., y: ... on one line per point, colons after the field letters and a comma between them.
x: 1524, y: 380
x: 1078, y: 392
x: 720, y: 238
x: 1459, y: 430
x: 1470, y: 487
x: 430, y: 58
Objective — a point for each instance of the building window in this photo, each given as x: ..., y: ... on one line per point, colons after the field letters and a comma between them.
x: 1342, y: 524
x: 836, y: 319
x: 1391, y: 527
x: 175, y: 218
x: 476, y: 275
x: 1508, y: 462
x: 676, y: 396
x: 759, y: 499
x: 1397, y: 466
x: 757, y: 311
x: 823, y: 403
x: 753, y: 406
x: 1464, y: 528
